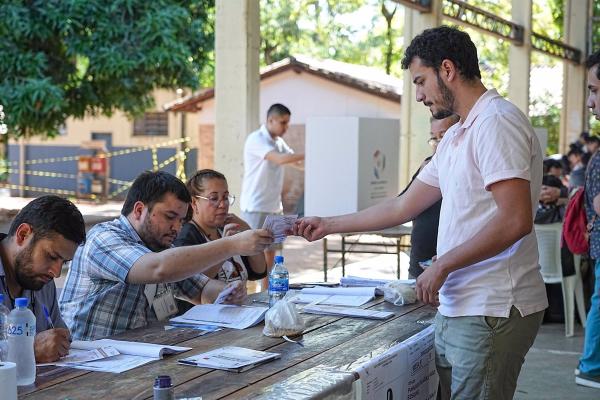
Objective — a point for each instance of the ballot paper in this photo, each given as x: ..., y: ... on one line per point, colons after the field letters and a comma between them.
x: 346, y: 311
x: 351, y: 297
x: 280, y: 225
x: 230, y: 358
x: 127, y: 355
x: 227, y: 316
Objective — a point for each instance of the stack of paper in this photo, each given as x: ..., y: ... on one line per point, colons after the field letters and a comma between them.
x: 230, y: 358
x: 355, y: 281
x: 353, y: 297
x: 227, y: 316
x: 107, y: 355
x: 347, y: 312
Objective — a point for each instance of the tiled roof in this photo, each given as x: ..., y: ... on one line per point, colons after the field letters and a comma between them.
x: 367, y: 79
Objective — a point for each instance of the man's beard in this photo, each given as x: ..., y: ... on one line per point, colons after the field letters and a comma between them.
x: 447, y: 107
x: 152, y: 238
x: 23, y: 268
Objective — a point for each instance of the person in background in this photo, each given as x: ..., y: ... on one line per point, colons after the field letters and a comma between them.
x: 576, y: 161
x: 211, y: 220
x: 588, y: 372
x: 41, y: 238
x: 265, y: 155
x: 423, y: 238
x: 128, y: 274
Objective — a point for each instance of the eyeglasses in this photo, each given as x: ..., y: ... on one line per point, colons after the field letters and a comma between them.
x: 216, y: 200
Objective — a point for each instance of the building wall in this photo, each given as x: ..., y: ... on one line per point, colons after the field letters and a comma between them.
x: 118, y: 132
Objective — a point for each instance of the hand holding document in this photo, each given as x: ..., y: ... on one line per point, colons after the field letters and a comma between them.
x: 280, y: 225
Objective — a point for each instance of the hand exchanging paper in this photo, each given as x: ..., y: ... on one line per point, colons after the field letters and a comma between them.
x: 311, y: 228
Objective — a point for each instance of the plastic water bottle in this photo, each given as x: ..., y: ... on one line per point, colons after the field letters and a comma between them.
x: 21, y: 332
x: 163, y: 388
x: 3, y: 326
x: 279, y: 281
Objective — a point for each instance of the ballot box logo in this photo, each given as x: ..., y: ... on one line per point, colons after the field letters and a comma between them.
x: 378, y: 164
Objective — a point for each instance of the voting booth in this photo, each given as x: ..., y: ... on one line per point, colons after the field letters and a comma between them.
x: 351, y: 163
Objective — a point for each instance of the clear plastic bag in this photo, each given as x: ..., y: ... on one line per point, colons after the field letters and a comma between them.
x: 399, y: 294
x: 283, y: 320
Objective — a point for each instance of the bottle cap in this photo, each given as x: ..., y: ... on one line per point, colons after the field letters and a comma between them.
x: 21, y: 302
x: 162, y: 381
x: 279, y: 259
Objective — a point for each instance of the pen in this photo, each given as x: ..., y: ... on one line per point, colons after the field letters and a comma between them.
x: 47, y: 315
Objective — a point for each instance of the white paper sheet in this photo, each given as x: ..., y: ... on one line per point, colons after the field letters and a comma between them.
x: 116, y: 364
x: 346, y: 311
x: 130, y: 348
x: 350, y: 297
x: 228, y: 316
x: 77, y: 356
x: 405, y: 371
x: 279, y: 225
x: 230, y: 358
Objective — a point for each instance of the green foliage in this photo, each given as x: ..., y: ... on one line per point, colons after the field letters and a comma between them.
x: 66, y: 58
x: 353, y: 31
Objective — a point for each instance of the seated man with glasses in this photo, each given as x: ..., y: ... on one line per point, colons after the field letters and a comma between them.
x: 211, y: 220
x: 423, y: 239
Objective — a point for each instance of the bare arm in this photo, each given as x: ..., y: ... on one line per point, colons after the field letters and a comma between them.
x: 283, y: 158
x: 388, y: 213
x: 512, y: 221
x: 178, y: 263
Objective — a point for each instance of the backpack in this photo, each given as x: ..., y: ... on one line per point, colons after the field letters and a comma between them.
x: 575, y: 233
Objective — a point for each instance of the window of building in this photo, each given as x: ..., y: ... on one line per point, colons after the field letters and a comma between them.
x: 152, y: 124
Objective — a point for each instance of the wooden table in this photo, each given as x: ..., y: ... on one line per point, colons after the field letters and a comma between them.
x: 400, y: 235
x: 328, y: 340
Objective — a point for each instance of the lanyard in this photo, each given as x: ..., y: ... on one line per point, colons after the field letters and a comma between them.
x: 31, y: 304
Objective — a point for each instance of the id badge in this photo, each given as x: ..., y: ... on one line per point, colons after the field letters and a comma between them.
x: 164, y: 305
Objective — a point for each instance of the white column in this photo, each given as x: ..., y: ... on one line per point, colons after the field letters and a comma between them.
x: 572, y: 118
x: 237, y: 76
x: 414, y: 126
x: 519, y: 58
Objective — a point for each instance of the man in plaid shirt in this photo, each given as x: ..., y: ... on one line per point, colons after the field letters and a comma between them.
x: 127, y: 274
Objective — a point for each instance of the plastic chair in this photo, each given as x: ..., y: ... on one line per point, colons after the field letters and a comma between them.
x: 548, y: 240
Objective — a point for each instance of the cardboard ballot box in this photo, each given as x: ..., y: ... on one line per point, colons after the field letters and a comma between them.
x: 351, y: 163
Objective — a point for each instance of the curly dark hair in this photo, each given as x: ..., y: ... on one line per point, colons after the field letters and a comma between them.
x: 444, y: 43
x: 593, y: 59
x: 151, y: 186
x: 49, y: 215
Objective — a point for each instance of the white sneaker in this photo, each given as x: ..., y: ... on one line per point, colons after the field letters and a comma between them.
x: 588, y: 380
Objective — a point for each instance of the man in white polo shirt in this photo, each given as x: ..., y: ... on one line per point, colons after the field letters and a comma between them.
x: 488, y: 167
x: 265, y: 154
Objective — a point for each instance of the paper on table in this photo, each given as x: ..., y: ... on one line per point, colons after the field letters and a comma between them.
x: 279, y: 225
x: 352, y: 297
x: 230, y: 358
x: 346, y: 311
x: 228, y: 316
x: 355, y: 281
x: 77, y: 356
x: 115, y: 365
x: 130, y: 348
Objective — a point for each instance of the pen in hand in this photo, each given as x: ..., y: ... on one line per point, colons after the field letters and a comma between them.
x: 47, y: 315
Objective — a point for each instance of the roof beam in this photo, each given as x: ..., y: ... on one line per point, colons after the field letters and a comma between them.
x: 555, y: 48
x: 423, y: 6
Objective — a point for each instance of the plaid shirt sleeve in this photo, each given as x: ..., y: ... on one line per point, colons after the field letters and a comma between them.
x: 191, y: 287
x: 113, y: 256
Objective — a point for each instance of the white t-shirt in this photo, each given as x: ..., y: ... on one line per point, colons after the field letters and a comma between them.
x: 496, y: 142
x: 263, y: 180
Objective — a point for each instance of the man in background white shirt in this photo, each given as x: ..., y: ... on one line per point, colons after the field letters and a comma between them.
x: 265, y: 154
x: 488, y: 167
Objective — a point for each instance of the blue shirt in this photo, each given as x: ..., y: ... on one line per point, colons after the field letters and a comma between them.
x: 592, y: 189
x: 97, y: 300
x: 46, y: 296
